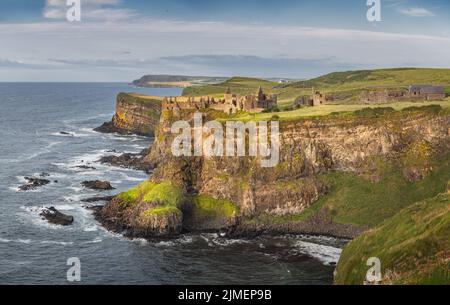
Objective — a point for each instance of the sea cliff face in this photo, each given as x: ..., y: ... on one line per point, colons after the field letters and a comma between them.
x: 135, y: 114
x: 237, y: 195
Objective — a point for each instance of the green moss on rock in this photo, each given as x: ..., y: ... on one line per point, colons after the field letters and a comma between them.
x: 204, y: 205
x: 163, y: 193
x: 162, y: 211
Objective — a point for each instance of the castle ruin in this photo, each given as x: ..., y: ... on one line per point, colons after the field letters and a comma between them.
x: 230, y: 103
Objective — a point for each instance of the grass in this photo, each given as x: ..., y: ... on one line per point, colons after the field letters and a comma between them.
x: 413, y: 247
x: 323, y: 110
x: 358, y: 201
x: 353, y: 199
x: 399, y: 77
x: 347, y: 85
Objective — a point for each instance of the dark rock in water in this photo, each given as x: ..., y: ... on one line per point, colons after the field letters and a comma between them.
x: 65, y: 133
x: 97, y: 199
x: 54, y: 216
x: 33, y: 183
x: 97, y: 185
x: 128, y: 160
x: 109, y: 127
x: 85, y: 167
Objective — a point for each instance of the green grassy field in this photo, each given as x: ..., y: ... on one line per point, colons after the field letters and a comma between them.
x: 346, y: 85
x: 323, y: 110
x: 354, y: 199
x: 413, y: 247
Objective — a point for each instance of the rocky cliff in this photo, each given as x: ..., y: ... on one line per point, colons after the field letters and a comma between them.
x: 135, y: 114
x: 309, y: 191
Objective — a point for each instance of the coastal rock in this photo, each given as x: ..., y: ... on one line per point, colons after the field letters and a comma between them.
x: 97, y: 185
x: 97, y: 199
x: 129, y: 160
x: 134, y: 115
x: 85, y: 167
x: 33, y: 183
x: 53, y: 216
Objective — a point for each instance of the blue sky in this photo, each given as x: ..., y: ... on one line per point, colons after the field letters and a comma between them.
x: 119, y: 40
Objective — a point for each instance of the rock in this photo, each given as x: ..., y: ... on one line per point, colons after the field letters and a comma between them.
x: 108, y: 127
x: 97, y: 185
x: 65, y: 133
x: 53, y: 216
x: 128, y: 160
x: 85, y: 167
x: 133, y: 116
x: 96, y: 199
x: 33, y: 183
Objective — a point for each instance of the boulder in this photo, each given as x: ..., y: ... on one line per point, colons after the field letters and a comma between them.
x: 33, y: 183
x: 99, y: 198
x: 97, y: 185
x: 53, y: 216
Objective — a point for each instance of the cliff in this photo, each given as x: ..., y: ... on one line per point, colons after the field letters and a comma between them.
x: 135, y: 114
x: 338, y: 175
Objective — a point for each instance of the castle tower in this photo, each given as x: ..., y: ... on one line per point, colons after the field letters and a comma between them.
x: 228, y: 96
x: 260, y: 94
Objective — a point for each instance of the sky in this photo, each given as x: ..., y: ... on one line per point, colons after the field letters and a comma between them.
x: 120, y: 40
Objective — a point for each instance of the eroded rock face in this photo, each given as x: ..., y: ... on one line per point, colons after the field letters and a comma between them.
x: 146, y: 220
x: 309, y: 148
x: 54, y: 216
x: 97, y: 185
x: 168, y: 223
x: 134, y: 115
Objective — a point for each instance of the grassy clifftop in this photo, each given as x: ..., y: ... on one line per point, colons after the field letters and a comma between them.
x: 381, y: 77
x: 345, y: 85
x: 239, y: 85
x: 413, y: 247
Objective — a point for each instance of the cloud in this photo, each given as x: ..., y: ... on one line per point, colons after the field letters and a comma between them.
x: 101, y: 51
x: 17, y: 64
x: 93, y: 10
x: 416, y: 12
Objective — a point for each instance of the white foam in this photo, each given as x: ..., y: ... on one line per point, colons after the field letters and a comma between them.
x: 94, y: 241
x: 52, y: 242
x: 91, y: 228
x: 326, y: 254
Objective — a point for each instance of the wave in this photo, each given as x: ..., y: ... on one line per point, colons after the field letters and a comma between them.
x: 329, y: 255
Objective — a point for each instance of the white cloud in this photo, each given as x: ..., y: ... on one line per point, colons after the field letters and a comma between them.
x: 416, y: 12
x: 92, y: 10
x: 100, y: 51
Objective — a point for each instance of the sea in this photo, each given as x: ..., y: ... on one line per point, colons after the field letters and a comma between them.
x: 46, y: 129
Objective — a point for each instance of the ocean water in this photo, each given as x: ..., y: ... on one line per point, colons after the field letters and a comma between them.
x: 32, y: 117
